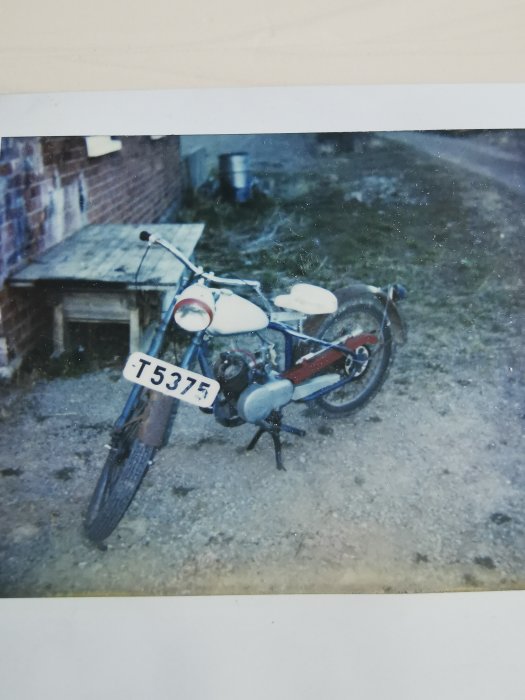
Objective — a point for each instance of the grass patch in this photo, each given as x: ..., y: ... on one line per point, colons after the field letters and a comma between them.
x: 358, y: 215
x: 388, y: 214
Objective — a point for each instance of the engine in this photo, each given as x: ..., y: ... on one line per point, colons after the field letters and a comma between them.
x: 249, y: 391
x: 232, y: 371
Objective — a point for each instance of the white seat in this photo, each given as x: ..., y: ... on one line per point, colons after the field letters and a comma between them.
x: 308, y: 299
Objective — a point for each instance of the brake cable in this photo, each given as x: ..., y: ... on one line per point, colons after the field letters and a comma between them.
x: 146, y: 251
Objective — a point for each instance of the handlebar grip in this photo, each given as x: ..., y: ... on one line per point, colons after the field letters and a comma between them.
x: 144, y: 236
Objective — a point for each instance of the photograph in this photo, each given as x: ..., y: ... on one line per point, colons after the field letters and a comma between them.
x: 262, y: 363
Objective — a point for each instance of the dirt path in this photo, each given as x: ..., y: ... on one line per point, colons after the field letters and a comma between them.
x: 504, y: 163
x: 423, y: 490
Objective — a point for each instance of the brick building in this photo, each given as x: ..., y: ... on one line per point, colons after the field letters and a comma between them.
x: 50, y: 187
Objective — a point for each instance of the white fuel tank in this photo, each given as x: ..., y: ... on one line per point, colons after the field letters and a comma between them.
x: 233, y: 314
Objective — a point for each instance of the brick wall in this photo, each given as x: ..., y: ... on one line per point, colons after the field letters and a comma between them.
x: 49, y: 188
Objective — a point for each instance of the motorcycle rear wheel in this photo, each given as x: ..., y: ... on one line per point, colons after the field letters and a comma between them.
x: 123, y: 471
x: 372, y: 362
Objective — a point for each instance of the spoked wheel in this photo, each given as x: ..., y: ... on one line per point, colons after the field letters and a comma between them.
x: 130, y: 456
x: 367, y: 368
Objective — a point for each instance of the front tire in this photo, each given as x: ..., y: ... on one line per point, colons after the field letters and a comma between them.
x: 116, y: 487
x: 131, y: 454
x: 367, y: 369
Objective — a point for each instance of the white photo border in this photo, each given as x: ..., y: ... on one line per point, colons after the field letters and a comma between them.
x: 449, y: 645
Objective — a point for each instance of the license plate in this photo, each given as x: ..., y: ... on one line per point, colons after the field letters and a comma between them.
x: 171, y: 380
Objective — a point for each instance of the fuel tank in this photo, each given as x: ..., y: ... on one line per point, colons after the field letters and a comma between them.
x: 234, y: 314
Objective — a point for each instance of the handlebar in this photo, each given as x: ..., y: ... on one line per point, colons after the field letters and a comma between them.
x: 151, y: 239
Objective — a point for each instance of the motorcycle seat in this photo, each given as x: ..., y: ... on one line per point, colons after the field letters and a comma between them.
x: 308, y: 299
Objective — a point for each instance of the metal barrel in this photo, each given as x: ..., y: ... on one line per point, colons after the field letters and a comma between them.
x: 234, y: 176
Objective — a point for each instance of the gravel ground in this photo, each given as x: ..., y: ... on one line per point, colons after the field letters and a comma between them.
x: 422, y: 490
x: 417, y: 492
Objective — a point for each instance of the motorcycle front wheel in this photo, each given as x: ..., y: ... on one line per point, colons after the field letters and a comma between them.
x: 368, y: 367
x: 129, y: 458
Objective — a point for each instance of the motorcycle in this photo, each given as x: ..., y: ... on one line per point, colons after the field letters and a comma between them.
x: 336, y: 351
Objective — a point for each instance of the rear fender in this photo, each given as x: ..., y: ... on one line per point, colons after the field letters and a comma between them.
x: 363, y: 292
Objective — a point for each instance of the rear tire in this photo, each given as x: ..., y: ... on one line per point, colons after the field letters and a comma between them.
x: 372, y: 362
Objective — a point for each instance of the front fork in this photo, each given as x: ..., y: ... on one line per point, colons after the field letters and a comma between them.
x: 155, y: 427
x: 159, y: 408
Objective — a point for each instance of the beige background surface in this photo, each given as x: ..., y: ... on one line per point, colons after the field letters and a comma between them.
x: 131, y: 44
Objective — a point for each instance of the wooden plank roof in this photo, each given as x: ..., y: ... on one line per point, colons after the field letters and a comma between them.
x: 111, y: 253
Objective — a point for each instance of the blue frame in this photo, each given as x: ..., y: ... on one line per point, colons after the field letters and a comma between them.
x: 198, y: 350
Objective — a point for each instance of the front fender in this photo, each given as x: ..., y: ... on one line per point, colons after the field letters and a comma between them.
x: 152, y: 428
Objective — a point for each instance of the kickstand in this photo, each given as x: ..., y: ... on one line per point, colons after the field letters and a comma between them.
x: 273, y: 425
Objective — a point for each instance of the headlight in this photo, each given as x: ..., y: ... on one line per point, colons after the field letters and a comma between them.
x: 194, y: 308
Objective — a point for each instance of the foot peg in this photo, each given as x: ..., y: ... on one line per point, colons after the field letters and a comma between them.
x: 273, y: 425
